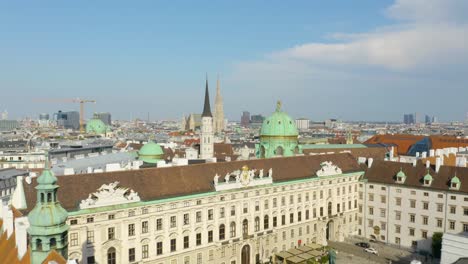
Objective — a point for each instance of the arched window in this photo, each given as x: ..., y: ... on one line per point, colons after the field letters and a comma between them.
x: 262, y: 152
x: 53, y: 243
x: 279, y: 151
x: 38, y: 244
x: 49, y: 197
x: 233, y: 229
x: 245, y: 227
x: 266, y: 222
x: 111, y: 256
x: 257, y: 224
x: 222, y: 232
x: 329, y: 208
x: 42, y: 197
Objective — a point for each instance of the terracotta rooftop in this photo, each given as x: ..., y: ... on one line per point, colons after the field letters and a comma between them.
x: 377, y: 153
x: 385, y: 172
x: 55, y: 258
x: 403, y: 141
x: 158, y: 183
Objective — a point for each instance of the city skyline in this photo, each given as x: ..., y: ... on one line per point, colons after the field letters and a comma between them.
x: 333, y: 60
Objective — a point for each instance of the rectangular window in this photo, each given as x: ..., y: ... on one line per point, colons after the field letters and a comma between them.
x: 210, y: 236
x: 144, y: 227
x: 425, y: 205
x: 371, y: 210
x: 291, y: 218
x: 90, y: 260
x: 439, y: 222
x: 412, y: 218
x: 159, y: 248
x: 465, y: 228
x: 465, y: 211
x: 111, y: 217
x: 257, y: 206
x: 131, y: 229
x: 398, y: 201
x: 131, y: 254
x: 371, y: 197
x: 186, y: 242
x: 397, y: 215
x: 173, y: 221
x: 453, y: 209
x: 198, y: 239
x: 382, y: 212
x: 307, y: 214
x: 246, y: 208
x: 159, y: 224
x: 283, y: 220
x: 144, y: 251
x: 266, y: 204
x: 199, y: 216
x: 424, y: 234
x: 411, y: 231
x: 275, y: 203
x: 425, y: 220
x: 90, y: 237
x: 90, y: 219
x: 73, y: 239
x: 383, y: 199
x: 413, y: 203
x: 452, y: 225
x: 221, y: 212
x: 233, y: 210
x: 210, y: 214
x: 440, y: 207
x: 186, y: 219
x: 173, y: 245
x: 397, y: 229
x: 110, y: 233
x: 275, y: 221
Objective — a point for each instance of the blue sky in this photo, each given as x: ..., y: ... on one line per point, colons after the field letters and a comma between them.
x: 355, y: 60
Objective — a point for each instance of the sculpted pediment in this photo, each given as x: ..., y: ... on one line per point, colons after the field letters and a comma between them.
x: 109, y: 194
x: 328, y: 169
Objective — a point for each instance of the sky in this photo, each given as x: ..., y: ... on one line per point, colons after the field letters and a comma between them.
x: 352, y: 60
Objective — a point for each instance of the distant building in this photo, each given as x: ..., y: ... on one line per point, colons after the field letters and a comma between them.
x: 408, y: 119
x: 8, y: 125
x: 434, y: 119
x: 8, y: 183
x: 4, y: 115
x: 245, y: 119
x: 105, y: 117
x: 427, y: 119
x: 69, y: 120
x: 191, y: 122
x: 257, y: 119
x: 218, y: 117
x: 44, y: 120
x: 302, y: 123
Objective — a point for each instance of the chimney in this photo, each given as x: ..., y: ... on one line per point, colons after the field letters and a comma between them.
x: 428, y: 164
x: 417, y: 154
x: 431, y: 153
x: 438, y: 164
x: 424, y: 155
x: 369, y: 162
x: 414, y: 162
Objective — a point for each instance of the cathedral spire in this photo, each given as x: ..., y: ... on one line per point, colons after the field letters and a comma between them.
x: 206, y: 106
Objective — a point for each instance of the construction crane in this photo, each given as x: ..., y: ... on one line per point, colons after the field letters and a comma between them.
x: 73, y: 100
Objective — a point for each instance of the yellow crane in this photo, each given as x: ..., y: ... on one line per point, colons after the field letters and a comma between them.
x: 82, y: 102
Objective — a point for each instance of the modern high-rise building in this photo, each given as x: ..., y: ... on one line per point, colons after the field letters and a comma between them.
x: 9, y: 125
x: 427, y: 119
x: 105, y: 117
x: 245, y: 119
x: 68, y: 120
x: 44, y: 120
x: 409, y: 119
x: 4, y: 115
x: 257, y: 119
x: 302, y: 123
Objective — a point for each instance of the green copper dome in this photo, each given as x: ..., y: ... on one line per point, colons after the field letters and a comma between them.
x: 151, y: 152
x: 455, y: 179
x: 401, y: 174
x: 279, y: 124
x: 428, y: 176
x: 96, y: 126
x: 278, y: 136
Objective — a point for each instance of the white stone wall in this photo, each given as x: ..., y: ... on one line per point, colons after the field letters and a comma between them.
x: 298, y: 196
x: 409, y: 196
x: 453, y: 248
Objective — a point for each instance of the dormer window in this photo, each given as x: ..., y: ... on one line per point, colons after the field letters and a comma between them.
x: 427, y: 180
x: 455, y: 183
x: 401, y: 176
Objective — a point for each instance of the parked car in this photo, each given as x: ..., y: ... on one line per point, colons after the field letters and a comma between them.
x: 372, y: 251
x: 363, y: 245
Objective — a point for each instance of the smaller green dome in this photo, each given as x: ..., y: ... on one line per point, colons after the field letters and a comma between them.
x: 428, y: 176
x: 401, y: 173
x: 151, y: 152
x: 47, y: 215
x: 96, y: 126
x: 279, y: 124
x: 47, y: 178
x: 455, y: 179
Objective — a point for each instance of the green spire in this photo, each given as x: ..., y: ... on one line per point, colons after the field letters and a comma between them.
x: 48, y: 228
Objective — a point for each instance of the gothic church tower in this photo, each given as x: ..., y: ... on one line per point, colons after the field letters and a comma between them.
x: 206, y: 135
x: 219, y: 111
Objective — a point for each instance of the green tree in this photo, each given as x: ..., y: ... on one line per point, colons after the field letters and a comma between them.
x: 436, y: 244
